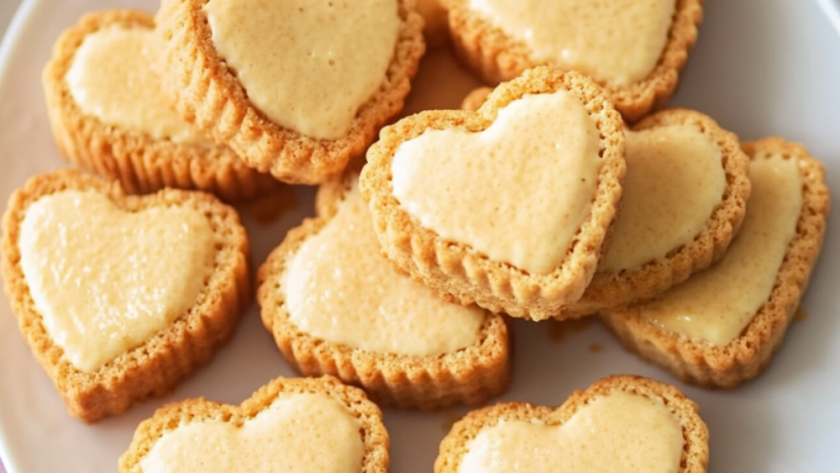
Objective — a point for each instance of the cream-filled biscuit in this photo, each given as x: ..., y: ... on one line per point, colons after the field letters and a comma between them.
x: 685, y: 196
x: 109, y: 115
x: 507, y: 207
x: 335, y: 306
x: 722, y: 326
x: 619, y: 423
x: 635, y: 49
x: 290, y: 425
x: 120, y: 297
x: 296, y: 88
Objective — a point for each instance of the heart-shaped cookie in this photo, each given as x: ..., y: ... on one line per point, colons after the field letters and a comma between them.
x: 620, y: 423
x: 335, y: 306
x: 722, y: 326
x: 634, y: 48
x: 509, y: 206
x: 109, y: 115
x: 131, y: 293
x: 685, y: 195
x: 294, y: 425
x: 300, y: 111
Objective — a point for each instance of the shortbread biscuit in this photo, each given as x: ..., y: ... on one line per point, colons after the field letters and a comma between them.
x: 110, y: 351
x: 619, y: 423
x: 115, y: 122
x: 687, y: 209
x: 544, y: 214
x: 501, y: 52
x: 302, y: 424
x: 313, y: 143
x: 334, y: 306
x: 722, y: 326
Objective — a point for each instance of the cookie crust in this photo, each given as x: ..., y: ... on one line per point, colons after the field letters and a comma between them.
x: 470, y: 375
x: 456, y: 270
x: 375, y: 438
x: 206, y: 93
x: 142, y: 163
x: 727, y: 366
x: 496, y: 57
x: 695, y: 455
x: 155, y: 367
x: 611, y: 289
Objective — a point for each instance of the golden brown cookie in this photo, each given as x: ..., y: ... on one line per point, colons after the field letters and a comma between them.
x: 627, y: 422
x: 305, y: 140
x: 108, y: 114
x: 334, y: 306
x: 318, y: 421
x: 108, y: 328
x: 722, y: 326
x: 500, y: 39
x: 685, y: 195
x: 541, y: 204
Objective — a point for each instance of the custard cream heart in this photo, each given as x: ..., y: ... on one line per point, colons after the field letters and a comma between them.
x: 295, y: 61
x: 298, y: 433
x: 339, y: 288
x: 111, y: 78
x: 675, y: 180
x: 518, y: 191
x: 106, y: 280
x: 718, y: 303
x: 619, y: 431
x: 617, y: 41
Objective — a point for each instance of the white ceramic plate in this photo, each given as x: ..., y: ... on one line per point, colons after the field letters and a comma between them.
x: 761, y: 67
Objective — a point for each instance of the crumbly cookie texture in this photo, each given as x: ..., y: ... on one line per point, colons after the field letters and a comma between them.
x: 615, y: 288
x: 469, y: 375
x: 711, y: 365
x: 142, y: 163
x: 155, y: 367
x: 456, y: 270
x: 695, y: 453
x: 169, y: 418
x: 208, y: 94
x: 496, y: 56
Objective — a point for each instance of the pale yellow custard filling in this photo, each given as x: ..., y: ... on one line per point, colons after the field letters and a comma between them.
x: 105, y: 280
x: 718, y: 303
x: 675, y: 180
x: 616, y: 41
x: 308, y: 66
x: 111, y: 78
x: 518, y: 191
x: 298, y: 433
x: 339, y: 288
x: 615, y: 433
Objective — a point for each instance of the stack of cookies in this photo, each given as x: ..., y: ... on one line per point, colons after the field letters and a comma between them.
x: 564, y: 188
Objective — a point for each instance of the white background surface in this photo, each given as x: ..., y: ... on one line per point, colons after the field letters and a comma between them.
x: 761, y: 67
